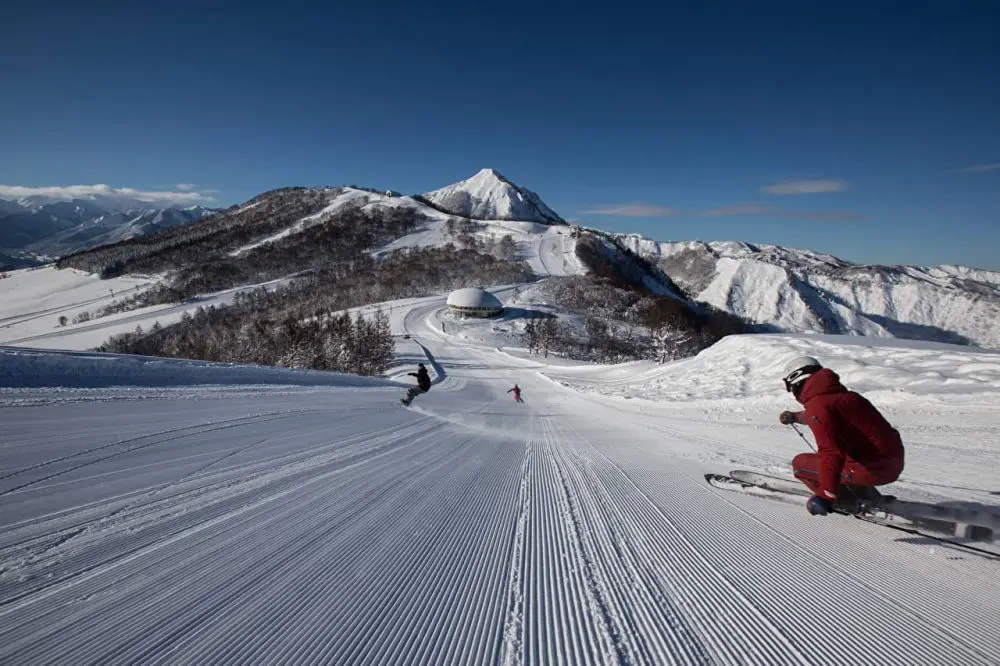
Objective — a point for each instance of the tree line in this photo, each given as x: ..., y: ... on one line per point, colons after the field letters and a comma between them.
x: 620, y: 324
x: 303, y: 324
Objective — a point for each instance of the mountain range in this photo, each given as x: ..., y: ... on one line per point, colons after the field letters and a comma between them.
x: 771, y: 287
x: 34, y: 229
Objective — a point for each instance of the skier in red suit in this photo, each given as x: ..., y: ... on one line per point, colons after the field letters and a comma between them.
x: 517, y: 393
x: 857, y: 448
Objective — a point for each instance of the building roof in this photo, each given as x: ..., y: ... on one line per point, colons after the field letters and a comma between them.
x: 473, y: 297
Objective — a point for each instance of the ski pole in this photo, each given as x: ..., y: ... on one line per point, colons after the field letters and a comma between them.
x: 799, y: 433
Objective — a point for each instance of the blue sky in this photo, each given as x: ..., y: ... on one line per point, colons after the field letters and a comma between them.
x: 867, y: 129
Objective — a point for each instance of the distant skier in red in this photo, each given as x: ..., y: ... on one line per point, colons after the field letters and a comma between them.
x: 517, y: 393
x: 858, y: 449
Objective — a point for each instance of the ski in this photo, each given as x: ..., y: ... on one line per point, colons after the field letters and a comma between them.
x: 939, y: 523
x: 759, y: 487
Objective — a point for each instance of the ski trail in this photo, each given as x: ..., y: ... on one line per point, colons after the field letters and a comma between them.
x: 513, y: 643
x: 563, y: 531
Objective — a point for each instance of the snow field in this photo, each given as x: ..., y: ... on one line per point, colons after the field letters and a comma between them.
x: 41, y: 330
x: 327, y: 524
x: 33, y: 299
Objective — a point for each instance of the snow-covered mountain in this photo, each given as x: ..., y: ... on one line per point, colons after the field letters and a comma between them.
x: 49, y: 227
x: 777, y: 288
x: 802, y: 290
x: 490, y: 196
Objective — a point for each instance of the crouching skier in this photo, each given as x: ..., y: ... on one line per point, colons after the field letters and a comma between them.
x: 423, y: 384
x: 857, y: 448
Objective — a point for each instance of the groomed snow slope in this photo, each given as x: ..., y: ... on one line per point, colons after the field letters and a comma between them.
x: 317, y: 525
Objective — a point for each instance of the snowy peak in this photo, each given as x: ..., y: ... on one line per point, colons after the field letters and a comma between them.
x: 490, y: 196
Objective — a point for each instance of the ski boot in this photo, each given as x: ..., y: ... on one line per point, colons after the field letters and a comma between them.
x: 860, y: 499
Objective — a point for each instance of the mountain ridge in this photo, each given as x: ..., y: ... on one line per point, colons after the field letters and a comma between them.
x: 775, y: 288
x: 44, y: 227
x: 806, y: 291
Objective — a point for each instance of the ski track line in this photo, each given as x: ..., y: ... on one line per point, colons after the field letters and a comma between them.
x: 97, y: 560
x: 965, y: 564
x: 851, y: 600
x: 390, y: 642
x: 148, y: 500
x: 180, y: 432
x: 152, y: 567
x: 282, y: 563
x: 616, y: 646
x: 670, y: 637
x: 501, y: 568
x: 513, y: 645
x: 725, y: 609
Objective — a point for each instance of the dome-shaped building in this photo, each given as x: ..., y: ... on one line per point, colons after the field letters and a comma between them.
x: 474, y: 302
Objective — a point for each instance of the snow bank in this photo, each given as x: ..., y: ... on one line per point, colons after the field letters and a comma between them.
x: 750, y: 366
x: 26, y: 368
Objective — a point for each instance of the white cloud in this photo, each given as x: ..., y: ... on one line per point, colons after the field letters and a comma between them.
x: 69, y: 192
x: 980, y: 167
x: 631, y: 210
x: 823, y: 215
x: 186, y: 187
x: 805, y: 187
x: 738, y: 209
x: 775, y: 211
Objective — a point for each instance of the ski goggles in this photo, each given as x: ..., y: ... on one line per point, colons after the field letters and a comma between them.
x: 797, y: 376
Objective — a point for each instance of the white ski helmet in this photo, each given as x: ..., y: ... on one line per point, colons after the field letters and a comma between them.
x: 798, y: 369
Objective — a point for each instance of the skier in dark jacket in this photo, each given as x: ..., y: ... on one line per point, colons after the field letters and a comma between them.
x: 517, y: 393
x: 423, y: 384
x: 857, y: 448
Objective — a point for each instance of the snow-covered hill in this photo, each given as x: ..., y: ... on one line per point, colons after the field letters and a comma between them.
x: 778, y: 288
x: 490, y: 196
x: 800, y: 290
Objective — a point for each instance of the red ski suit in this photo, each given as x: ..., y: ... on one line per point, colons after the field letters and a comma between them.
x: 856, y: 444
